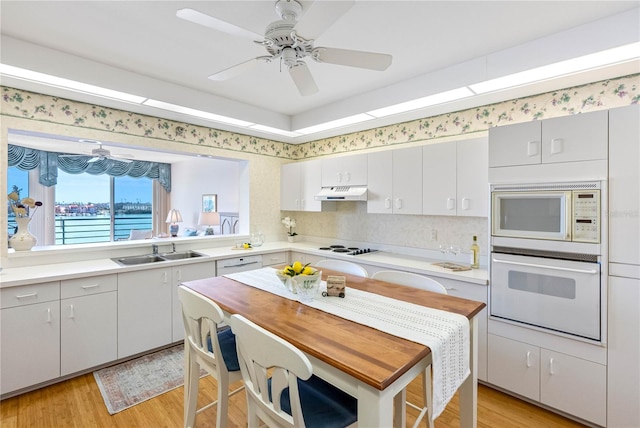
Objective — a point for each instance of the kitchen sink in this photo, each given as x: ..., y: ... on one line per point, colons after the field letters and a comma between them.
x: 138, y: 260
x: 180, y: 255
x: 154, y: 258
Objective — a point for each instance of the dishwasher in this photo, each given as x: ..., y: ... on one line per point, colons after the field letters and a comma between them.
x: 238, y: 264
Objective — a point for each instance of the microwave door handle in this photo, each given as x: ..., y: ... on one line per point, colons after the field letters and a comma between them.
x: 589, y: 271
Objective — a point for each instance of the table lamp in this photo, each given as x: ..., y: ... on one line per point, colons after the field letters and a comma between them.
x: 209, y: 219
x: 174, y: 218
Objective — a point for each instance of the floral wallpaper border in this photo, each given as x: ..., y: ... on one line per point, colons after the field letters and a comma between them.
x: 589, y: 97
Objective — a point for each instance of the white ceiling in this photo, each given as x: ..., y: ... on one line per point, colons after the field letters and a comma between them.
x: 141, y: 47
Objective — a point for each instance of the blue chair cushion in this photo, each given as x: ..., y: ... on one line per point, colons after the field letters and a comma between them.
x: 323, y: 405
x: 227, y: 341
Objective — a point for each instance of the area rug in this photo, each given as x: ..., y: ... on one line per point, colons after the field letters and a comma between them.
x: 132, y: 382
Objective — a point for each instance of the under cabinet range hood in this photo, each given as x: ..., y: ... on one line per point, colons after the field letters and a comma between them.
x: 342, y: 193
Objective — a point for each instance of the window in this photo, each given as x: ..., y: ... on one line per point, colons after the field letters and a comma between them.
x: 84, y: 207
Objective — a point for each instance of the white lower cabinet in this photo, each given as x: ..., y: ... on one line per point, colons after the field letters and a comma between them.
x: 144, y: 310
x: 88, y: 323
x: 563, y: 382
x: 180, y: 274
x: 304, y: 258
x: 30, y: 344
x: 274, y: 259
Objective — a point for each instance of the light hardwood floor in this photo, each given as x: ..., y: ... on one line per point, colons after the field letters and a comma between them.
x: 77, y: 403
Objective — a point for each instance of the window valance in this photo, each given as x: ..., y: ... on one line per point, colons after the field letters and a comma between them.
x: 49, y: 163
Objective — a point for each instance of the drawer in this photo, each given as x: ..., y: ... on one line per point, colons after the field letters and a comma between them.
x: 274, y: 259
x: 89, y: 285
x: 29, y: 294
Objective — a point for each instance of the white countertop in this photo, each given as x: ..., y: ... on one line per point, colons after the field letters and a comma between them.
x: 12, y: 277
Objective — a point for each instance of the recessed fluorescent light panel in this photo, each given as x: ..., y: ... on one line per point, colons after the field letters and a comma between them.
x: 350, y: 120
x: 196, y: 113
x: 277, y: 131
x: 47, y: 79
x: 431, y: 100
x: 587, y: 62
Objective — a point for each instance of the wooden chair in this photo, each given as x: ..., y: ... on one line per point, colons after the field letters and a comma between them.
x: 281, y: 389
x: 422, y: 282
x: 343, y: 266
x: 210, y: 348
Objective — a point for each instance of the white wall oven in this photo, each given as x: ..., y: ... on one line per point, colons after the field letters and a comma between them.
x: 546, y: 257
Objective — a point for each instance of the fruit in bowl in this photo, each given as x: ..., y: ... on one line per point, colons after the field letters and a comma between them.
x: 297, y: 275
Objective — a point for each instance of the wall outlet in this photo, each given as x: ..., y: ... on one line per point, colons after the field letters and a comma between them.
x: 434, y: 234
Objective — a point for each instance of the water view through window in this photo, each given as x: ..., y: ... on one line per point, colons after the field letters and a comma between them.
x: 94, y: 208
x: 84, y: 207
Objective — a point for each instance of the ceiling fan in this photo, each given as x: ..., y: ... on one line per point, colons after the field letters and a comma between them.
x: 101, y: 153
x: 282, y: 41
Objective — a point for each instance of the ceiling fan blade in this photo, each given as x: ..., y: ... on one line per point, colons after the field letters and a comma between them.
x: 94, y: 159
x: 303, y: 79
x: 193, y: 15
x: 361, y: 59
x: 237, y: 69
x: 320, y: 16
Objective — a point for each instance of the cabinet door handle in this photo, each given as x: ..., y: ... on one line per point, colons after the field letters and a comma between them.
x: 398, y: 203
x: 451, y: 203
x: 49, y: 316
x: 164, y: 277
x: 387, y: 203
x: 556, y: 145
x: 551, y: 371
x: 528, y: 359
x: 465, y: 203
x: 347, y: 177
x: 24, y: 296
x: 339, y: 177
x: 86, y: 287
x: 302, y: 204
x: 532, y: 148
x: 179, y: 274
x: 71, y: 313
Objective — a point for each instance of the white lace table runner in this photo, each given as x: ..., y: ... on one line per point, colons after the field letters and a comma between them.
x: 445, y: 333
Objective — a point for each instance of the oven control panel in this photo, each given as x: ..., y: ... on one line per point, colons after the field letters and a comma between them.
x: 586, y: 216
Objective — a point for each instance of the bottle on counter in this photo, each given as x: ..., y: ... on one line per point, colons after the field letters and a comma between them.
x: 475, y: 254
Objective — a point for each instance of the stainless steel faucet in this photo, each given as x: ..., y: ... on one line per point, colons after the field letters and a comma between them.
x: 154, y: 247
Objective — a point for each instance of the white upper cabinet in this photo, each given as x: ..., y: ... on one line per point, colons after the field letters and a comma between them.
x: 624, y: 185
x: 407, y: 181
x: 472, y: 184
x: 299, y: 183
x: 439, y: 179
x: 394, y: 182
x: 580, y: 137
x: 518, y: 144
x: 379, y: 187
x: 455, y: 178
x: 344, y: 171
x: 575, y: 138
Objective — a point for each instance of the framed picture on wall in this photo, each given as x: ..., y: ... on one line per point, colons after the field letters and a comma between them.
x: 209, y: 203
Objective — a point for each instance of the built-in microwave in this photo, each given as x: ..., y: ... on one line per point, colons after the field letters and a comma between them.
x: 552, y: 211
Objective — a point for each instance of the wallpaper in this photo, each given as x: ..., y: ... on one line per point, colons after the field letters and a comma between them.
x: 594, y: 96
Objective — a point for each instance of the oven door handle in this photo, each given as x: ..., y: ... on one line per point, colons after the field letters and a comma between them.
x: 589, y: 271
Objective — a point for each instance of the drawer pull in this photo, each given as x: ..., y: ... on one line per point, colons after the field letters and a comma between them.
x: 528, y: 358
x: 86, y: 287
x: 49, y: 316
x: 71, y: 312
x: 24, y: 296
x: 551, y: 371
